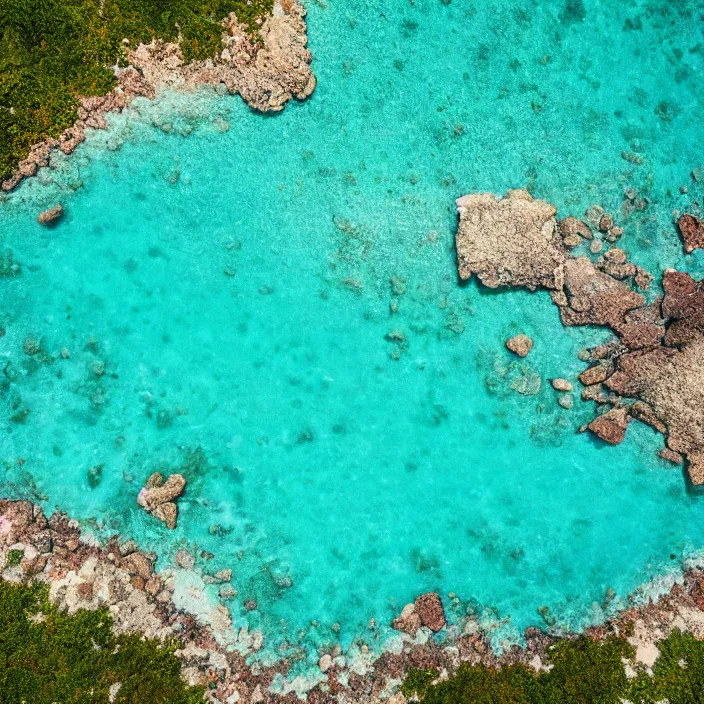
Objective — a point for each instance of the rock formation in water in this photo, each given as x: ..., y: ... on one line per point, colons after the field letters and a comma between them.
x: 158, y: 497
x: 510, y: 241
x: 267, y: 71
x: 520, y: 345
x: 692, y: 231
x: 51, y: 215
x: 658, y: 357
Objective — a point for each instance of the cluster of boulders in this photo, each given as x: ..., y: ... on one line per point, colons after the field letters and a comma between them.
x: 656, y: 356
x: 158, y: 497
x: 267, y: 70
x: 427, y: 610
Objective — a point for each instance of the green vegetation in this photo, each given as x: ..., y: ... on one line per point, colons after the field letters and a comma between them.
x: 54, y: 51
x: 14, y: 558
x: 47, y: 656
x: 418, y: 681
x: 584, y: 672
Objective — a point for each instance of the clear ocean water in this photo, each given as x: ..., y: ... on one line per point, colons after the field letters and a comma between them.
x: 270, y: 305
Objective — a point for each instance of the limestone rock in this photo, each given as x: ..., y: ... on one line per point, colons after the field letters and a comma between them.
x: 430, y: 610
x: 138, y: 563
x: 158, y: 497
x: 692, y: 231
x: 571, y: 226
x: 611, y: 426
x: 594, y: 375
x: 561, y: 385
x: 591, y: 297
x: 520, y: 345
x: 50, y: 215
x: 512, y: 241
x: 157, y: 492
x: 168, y: 513
x: 409, y: 620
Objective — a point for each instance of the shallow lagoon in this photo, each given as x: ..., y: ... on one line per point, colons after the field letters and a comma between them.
x: 225, y: 284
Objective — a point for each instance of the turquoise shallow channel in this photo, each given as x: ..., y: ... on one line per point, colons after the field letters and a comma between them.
x: 270, y: 305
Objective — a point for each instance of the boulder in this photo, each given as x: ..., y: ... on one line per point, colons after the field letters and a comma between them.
x: 157, y: 497
x: 51, y: 215
x: 430, y: 610
x: 520, y: 345
x: 611, y: 426
x: 561, y: 385
x: 408, y: 622
x: 595, y: 374
x: 511, y: 241
x: 692, y: 232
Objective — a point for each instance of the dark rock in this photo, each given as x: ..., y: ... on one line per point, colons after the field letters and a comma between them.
x: 692, y: 231
x: 429, y: 608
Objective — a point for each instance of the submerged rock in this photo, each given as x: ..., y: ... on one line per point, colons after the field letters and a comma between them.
x: 50, y: 215
x: 520, y: 345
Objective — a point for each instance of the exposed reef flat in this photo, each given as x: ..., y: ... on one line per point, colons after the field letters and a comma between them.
x: 267, y: 70
x: 516, y: 241
x: 83, y: 574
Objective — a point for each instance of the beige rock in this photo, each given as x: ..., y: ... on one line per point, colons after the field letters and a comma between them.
x: 595, y: 374
x: 168, y: 513
x: 409, y: 620
x: 51, y: 215
x: 520, y: 345
x: 611, y: 426
x: 512, y: 241
x: 561, y: 384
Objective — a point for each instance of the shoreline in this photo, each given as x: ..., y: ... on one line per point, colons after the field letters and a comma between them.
x: 266, y: 75
x: 82, y: 574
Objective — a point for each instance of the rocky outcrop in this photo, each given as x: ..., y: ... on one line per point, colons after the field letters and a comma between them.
x: 511, y: 241
x: 692, y: 231
x: 657, y: 356
x: 427, y: 610
x: 267, y: 71
x: 520, y: 345
x: 158, y: 497
x: 611, y: 426
x: 592, y: 297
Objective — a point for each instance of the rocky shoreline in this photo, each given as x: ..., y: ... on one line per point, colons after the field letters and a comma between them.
x: 82, y: 574
x: 652, y: 371
x: 267, y: 71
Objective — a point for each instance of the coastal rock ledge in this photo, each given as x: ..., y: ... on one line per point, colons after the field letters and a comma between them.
x: 657, y: 358
x: 267, y: 70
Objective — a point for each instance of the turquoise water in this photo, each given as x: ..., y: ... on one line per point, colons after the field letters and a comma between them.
x: 270, y: 305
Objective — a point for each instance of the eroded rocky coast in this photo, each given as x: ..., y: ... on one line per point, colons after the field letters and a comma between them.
x: 267, y: 69
x: 81, y: 574
x: 656, y: 356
